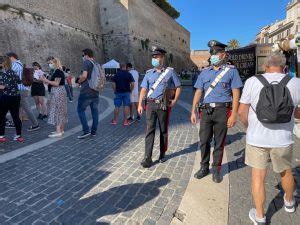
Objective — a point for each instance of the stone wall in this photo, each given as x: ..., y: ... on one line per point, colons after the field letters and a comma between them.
x: 132, y: 27
x: 200, y: 58
x: 114, y: 27
x: 34, y: 34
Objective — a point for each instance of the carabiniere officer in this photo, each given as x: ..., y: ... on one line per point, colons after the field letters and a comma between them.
x: 157, y: 108
x: 218, y: 112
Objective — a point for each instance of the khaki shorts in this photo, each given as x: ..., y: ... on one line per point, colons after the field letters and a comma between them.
x: 259, y: 158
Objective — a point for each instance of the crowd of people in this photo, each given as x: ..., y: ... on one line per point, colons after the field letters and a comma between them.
x: 266, y: 106
x: 18, y: 84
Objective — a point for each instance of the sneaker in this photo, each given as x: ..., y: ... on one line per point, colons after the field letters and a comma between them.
x: 254, y: 219
x: 55, y: 132
x: 3, y: 139
x: 18, y: 138
x: 289, y: 207
x: 93, y: 134
x: 40, y: 117
x: 130, y: 120
x: 10, y: 125
x: 138, y: 118
x: 33, y: 128
x: 84, y: 135
x: 201, y: 173
x: 113, y: 122
x: 126, y: 123
x: 44, y: 117
x: 55, y: 135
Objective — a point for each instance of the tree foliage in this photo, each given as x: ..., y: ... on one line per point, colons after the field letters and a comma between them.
x: 233, y: 44
x: 168, y: 8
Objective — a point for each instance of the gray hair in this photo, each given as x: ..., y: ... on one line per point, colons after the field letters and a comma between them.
x: 275, y: 59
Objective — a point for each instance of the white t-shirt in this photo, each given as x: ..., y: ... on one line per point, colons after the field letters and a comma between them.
x: 135, y: 75
x: 37, y: 74
x: 268, y: 135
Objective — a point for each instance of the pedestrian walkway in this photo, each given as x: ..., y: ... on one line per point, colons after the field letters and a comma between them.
x: 99, y: 179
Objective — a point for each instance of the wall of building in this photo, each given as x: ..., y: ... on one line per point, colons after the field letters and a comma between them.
x: 283, y: 28
x: 130, y: 28
x: 35, y: 34
x: 158, y: 29
x: 82, y: 14
x: 114, y: 27
x: 200, y: 58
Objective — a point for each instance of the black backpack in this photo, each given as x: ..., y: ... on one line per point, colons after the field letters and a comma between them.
x: 275, y: 104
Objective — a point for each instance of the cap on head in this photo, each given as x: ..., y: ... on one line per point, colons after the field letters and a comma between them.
x: 158, y: 51
x: 216, y: 47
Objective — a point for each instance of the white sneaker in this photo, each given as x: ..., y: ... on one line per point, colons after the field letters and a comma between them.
x: 55, y: 135
x: 55, y: 132
x: 289, y: 207
x: 254, y: 219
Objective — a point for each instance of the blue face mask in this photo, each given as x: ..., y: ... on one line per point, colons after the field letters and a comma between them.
x: 215, y: 59
x: 155, y: 62
x: 51, y: 66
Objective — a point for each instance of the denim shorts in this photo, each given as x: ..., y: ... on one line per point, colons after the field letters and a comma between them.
x: 122, y: 99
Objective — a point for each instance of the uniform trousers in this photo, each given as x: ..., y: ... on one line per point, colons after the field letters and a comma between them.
x: 154, y: 113
x: 213, y: 125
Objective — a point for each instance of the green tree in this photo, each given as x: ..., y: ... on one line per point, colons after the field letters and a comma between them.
x: 233, y: 44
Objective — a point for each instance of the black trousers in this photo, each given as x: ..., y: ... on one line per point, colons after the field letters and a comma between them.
x: 10, y: 104
x: 214, y: 125
x: 154, y: 113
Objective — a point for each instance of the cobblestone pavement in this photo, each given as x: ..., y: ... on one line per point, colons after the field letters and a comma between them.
x: 35, y: 136
x: 240, y: 189
x: 97, y: 180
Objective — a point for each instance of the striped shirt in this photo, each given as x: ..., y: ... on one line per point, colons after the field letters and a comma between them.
x: 17, y: 67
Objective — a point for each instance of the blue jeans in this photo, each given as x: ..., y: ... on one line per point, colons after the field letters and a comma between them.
x: 69, y: 92
x: 83, y: 103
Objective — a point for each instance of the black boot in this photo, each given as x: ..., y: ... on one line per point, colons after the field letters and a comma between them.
x: 146, y: 163
x: 203, y: 172
x: 162, y: 158
x: 216, y: 176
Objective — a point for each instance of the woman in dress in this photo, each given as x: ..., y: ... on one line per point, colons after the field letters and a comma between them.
x: 9, y: 98
x: 38, y: 91
x: 57, y: 111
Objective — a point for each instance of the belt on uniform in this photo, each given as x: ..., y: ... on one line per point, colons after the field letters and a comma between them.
x: 157, y: 101
x: 218, y: 105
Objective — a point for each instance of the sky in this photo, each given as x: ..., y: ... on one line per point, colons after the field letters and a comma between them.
x: 223, y: 20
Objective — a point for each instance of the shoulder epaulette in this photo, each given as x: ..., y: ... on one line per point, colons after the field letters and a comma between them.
x: 231, y: 66
x: 148, y: 71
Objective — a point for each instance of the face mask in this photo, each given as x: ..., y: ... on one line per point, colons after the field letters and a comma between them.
x: 155, y: 62
x: 51, y: 66
x: 215, y: 59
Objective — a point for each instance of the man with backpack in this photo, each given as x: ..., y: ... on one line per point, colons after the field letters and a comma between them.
x: 27, y: 78
x: 267, y: 111
x: 92, y: 80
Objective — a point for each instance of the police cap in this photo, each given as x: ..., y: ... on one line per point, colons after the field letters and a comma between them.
x: 216, y: 47
x: 158, y: 51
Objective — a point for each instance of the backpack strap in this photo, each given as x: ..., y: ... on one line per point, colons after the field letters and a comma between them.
x: 285, y: 80
x: 263, y: 80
